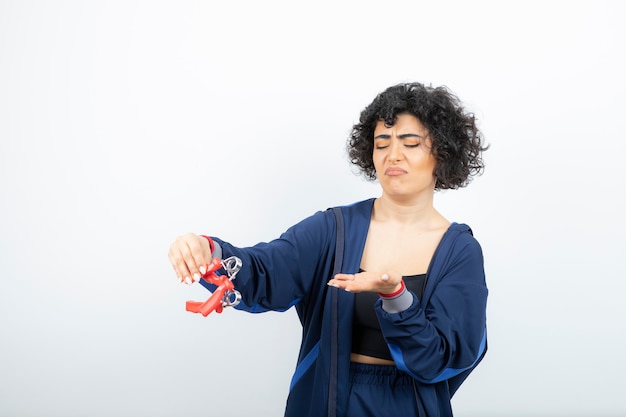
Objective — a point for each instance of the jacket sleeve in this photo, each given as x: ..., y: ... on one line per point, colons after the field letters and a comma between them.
x: 447, y: 336
x: 276, y: 275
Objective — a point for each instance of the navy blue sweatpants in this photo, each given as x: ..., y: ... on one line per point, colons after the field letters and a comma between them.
x: 381, y: 391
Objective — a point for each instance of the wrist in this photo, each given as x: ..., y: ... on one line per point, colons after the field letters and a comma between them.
x: 395, y: 293
x: 211, y: 243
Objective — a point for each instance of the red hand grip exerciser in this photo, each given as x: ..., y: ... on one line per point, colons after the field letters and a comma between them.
x: 220, y: 297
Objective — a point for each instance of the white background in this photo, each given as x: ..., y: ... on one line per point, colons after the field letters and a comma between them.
x: 125, y: 123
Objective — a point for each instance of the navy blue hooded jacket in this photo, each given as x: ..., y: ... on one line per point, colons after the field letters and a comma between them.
x: 438, y: 340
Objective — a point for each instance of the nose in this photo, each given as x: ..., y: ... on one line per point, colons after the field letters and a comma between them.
x: 395, y: 149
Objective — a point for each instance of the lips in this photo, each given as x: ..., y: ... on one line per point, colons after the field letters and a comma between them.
x: 394, y: 171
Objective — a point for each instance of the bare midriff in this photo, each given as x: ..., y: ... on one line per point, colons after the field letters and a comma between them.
x: 369, y: 360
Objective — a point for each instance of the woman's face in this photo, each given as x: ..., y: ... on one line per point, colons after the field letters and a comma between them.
x: 402, y: 157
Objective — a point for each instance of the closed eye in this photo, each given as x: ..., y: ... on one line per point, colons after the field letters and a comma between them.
x: 381, y: 143
x: 411, y: 140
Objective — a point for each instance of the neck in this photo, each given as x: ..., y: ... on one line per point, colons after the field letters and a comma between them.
x: 406, y: 211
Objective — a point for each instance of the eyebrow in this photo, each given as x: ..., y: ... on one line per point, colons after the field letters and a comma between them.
x: 403, y: 136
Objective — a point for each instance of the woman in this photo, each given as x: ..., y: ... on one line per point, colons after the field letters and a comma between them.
x: 403, y: 324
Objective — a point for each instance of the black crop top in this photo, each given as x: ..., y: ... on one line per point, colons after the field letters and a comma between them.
x: 367, y: 339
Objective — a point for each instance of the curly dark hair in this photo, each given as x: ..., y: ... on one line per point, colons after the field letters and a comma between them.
x: 456, y: 141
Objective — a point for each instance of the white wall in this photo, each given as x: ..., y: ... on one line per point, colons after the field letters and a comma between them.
x: 125, y: 123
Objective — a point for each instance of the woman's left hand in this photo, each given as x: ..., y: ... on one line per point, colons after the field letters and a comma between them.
x: 381, y: 282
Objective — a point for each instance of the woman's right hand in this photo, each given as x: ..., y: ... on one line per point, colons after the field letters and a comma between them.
x: 189, y: 255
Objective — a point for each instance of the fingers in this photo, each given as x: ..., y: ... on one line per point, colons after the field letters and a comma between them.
x: 344, y: 281
x: 189, y: 255
x: 344, y: 277
x: 367, y: 281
